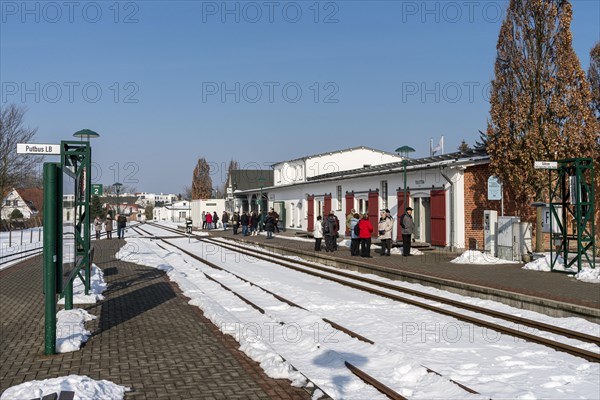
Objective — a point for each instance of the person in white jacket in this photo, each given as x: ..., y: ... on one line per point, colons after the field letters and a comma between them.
x: 318, y: 234
x: 385, y: 226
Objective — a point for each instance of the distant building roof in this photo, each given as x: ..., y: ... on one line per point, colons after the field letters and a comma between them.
x: 33, y: 197
x: 468, y: 155
x: 246, y: 179
x: 339, y: 151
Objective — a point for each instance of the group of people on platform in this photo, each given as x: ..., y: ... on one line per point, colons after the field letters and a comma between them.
x: 108, y: 224
x: 251, y: 223
x: 361, y: 230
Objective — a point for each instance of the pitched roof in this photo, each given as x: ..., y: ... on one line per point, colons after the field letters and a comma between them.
x: 33, y: 197
x: 337, y: 152
x: 468, y: 155
x: 245, y: 179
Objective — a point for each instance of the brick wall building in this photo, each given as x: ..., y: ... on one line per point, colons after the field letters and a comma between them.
x: 476, y: 178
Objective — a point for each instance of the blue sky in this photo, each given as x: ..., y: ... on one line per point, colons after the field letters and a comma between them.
x: 165, y: 83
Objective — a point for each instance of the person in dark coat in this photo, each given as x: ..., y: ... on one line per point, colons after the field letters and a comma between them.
x: 121, y: 224
x: 108, y: 226
x: 236, y: 222
x: 225, y: 220
x: 408, y: 228
x: 215, y: 219
x: 275, y: 216
x: 366, y: 228
x: 331, y: 226
x: 244, y: 220
x: 254, y: 224
x: 270, y: 225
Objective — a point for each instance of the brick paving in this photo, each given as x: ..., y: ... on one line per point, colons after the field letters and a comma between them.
x: 145, y: 336
x: 509, y: 277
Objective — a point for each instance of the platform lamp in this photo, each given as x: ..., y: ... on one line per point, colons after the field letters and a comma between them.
x: 259, y: 202
x: 403, y: 151
x: 118, y: 186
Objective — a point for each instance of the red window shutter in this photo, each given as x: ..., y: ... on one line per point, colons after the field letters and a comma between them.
x: 400, y: 195
x: 327, y: 205
x: 349, y: 206
x: 374, y: 210
x: 311, y: 213
x: 438, y: 217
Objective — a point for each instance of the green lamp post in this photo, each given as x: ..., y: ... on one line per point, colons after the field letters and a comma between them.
x: 403, y: 151
x: 118, y: 186
x: 259, y: 201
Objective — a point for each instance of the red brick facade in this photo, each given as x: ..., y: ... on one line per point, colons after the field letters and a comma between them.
x: 476, y: 202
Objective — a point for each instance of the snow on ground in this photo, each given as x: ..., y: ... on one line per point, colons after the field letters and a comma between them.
x: 97, y: 286
x: 70, y: 329
x: 84, y: 388
x: 406, y: 337
x: 477, y: 257
x: 31, y: 239
x: 587, y: 274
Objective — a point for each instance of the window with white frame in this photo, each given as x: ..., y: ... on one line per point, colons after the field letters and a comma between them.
x: 339, y: 197
x: 277, y: 175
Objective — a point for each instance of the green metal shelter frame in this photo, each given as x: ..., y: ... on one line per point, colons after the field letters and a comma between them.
x: 572, y: 194
x: 75, y: 162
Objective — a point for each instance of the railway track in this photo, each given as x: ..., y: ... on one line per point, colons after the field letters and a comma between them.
x: 342, y: 278
x: 364, y: 376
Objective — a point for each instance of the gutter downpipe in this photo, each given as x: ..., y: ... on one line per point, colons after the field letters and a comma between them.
x: 451, y: 208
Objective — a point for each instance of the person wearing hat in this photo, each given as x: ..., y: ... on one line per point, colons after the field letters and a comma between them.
x: 349, y: 220
x: 408, y: 228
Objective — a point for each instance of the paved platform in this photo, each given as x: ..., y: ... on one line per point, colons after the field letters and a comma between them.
x: 145, y: 336
x: 547, y: 289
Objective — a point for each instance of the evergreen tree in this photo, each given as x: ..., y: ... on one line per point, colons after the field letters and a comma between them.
x: 201, y: 180
x: 149, y: 212
x: 233, y: 165
x: 464, y: 147
x: 97, y: 209
x: 540, y: 98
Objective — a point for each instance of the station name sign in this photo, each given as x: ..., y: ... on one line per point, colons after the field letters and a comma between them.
x: 27, y: 148
x: 545, y: 165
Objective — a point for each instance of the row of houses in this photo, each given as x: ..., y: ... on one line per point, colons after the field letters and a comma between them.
x: 447, y: 192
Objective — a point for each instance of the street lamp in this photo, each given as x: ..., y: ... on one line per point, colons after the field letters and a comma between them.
x: 259, y: 202
x: 117, y: 186
x: 403, y: 151
x: 86, y: 134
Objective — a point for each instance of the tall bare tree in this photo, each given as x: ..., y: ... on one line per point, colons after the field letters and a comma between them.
x: 540, y: 100
x: 15, y: 169
x: 201, y: 180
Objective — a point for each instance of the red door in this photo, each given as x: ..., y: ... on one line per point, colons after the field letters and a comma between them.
x: 438, y: 217
x: 401, y: 211
x: 349, y: 206
x: 311, y: 213
x: 374, y: 210
x: 327, y: 205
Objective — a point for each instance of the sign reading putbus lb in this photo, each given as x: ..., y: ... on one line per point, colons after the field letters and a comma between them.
x: 27, y: 148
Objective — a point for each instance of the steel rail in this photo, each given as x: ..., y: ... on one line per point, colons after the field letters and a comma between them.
x: 380, y: 386
x: 586, y: 354
x: 584, y: 337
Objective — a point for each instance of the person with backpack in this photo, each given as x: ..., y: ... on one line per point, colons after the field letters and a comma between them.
x: 354, y: 235
x: 408, y: 228
x: 318, y: 234
x: 331, y: 227
x: 365, y: 229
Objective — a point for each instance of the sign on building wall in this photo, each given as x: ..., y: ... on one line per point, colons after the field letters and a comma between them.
x: 494, y: 188
x: 546, y: 219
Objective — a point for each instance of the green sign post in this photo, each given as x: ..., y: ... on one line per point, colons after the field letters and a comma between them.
x: 97, y: 190
x: 67, y: 249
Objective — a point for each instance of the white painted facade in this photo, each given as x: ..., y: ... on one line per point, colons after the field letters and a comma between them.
x: 144, y: 198
x: 14, y: 201
x: 207, y: 206
x: 175, y: 212
x: 421, y: 178
x: 297, y: 171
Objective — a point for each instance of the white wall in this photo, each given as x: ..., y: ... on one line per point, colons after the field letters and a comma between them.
x: 211, y: 205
